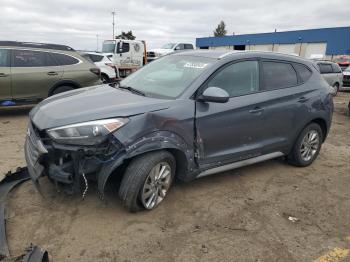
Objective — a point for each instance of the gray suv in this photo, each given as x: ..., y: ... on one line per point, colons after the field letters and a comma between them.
x: 184, y: 116
x: 30, y: 72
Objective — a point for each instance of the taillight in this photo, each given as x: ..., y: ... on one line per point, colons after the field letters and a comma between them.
x: 96, y: 71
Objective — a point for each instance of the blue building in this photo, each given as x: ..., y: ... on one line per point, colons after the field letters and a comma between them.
x: 325, y: 42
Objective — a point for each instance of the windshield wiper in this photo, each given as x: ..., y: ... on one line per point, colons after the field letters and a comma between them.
x: 131, y: 89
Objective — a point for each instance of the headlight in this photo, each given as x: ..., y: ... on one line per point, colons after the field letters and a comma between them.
x: 87, y: 133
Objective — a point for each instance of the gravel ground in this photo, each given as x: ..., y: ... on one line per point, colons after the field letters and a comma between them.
x: 241, y: 215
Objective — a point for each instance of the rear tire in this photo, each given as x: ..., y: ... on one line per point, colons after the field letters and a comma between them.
x: 144, y: 185
x: 61, y: 89
x: 105, y: 79
x: 336, y: 89
x: 307, y: 146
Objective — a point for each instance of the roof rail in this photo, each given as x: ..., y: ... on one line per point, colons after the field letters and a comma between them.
x: 36, y: 45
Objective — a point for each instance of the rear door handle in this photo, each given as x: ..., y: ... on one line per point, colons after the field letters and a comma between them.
x: 52, y: 73
x: 3, y: 75
x: 256, y: 110
x: 303, y: 99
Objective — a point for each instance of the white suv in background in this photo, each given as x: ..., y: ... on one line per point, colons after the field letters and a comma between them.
x: 153, y: 54
x: 109, y: 71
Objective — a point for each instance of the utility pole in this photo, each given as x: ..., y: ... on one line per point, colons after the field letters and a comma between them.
x: 97, y: 43
x: 113, y: 14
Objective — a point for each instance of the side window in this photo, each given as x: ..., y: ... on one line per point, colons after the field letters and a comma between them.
x: 336, y: 68
x: 278, y: 75
x: 4, y: 58
x: 64, y: 59
x: 303, y: 72
x: 325, y: 68
x: 188, y: 46
x: 124, y: 46
x: 180, y: 47
x: 28, y: 58
x: 96, y: 58
x: 238, y: 79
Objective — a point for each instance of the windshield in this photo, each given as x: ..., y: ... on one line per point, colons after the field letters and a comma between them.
x: 168, y: 46
x: 347, y: 69
x: 167, y: 77
x: 108, y: 47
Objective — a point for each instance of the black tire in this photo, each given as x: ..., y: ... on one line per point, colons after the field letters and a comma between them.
x: 61, y: 89
x: 336, y: 89
x: 105, y: 79
x: 135, y: 177
x: 295, y: 157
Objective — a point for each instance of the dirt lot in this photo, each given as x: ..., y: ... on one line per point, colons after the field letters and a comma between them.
x: 240, y: 215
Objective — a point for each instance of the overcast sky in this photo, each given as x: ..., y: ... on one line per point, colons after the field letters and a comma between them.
x: 77, y: 22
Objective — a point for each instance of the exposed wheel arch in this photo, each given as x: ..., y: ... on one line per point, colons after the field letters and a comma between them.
x: 322, y: 123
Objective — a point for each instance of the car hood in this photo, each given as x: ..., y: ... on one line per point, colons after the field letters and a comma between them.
x: 161, y: 51
x: 92, y: 103
x: 346, y: 73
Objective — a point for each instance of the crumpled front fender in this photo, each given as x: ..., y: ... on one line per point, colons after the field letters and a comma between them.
x: 154, y: 141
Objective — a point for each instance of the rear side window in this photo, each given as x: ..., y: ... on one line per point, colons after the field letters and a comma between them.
x: 325, y: 68
x: 238, y: 79
x: 336, y: 68
x: 93, y: 58
x: 188, y: 46
x: 303, y: 72
x: 4, y: 57
x: 278, y: 75
x: 29, y: 58
x: 62, y: 59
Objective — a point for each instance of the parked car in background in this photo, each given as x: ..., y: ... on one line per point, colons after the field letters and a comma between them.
x: 127, y: 55
x: 30, y: 72
x: 109, y: 71
x: 184, y: 116
x: 332, y: 73
x: 346, y: 78
x: 343, y: 62
x: 153, y: 54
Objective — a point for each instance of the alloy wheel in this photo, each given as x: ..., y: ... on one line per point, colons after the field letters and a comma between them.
x: 156, y: 185
x: 309, y: 145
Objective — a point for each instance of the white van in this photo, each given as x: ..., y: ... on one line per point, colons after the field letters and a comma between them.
x: 127, y: 55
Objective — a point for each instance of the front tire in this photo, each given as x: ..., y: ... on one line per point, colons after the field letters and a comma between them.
x: 147, y: 180
x: 307, y: 146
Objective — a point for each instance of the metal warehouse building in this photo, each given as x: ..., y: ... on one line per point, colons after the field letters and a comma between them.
x: 328, y: 42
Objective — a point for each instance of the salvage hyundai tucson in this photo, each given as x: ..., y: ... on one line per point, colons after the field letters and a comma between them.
x: 184, y: 116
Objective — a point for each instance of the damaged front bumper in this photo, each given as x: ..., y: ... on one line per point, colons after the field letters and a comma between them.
x: 69, y: 167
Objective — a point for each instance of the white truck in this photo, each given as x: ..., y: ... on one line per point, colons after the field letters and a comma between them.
x: 153, y: 54
x: 127, y: 55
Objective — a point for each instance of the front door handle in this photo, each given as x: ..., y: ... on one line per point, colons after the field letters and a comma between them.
x: 256, y: 110
x: 52, y: 73
x: 303, y: 99
x: 3, y: 75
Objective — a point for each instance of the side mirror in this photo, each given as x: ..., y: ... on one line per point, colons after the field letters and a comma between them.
x: 214, y: 94
x: 177, y: 48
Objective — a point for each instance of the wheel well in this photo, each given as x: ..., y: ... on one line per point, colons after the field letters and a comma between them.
x: 181, y: 162
x: 62, y: 84
x: 104, y: 74
x: 181, y: 165
x: 323, y: 126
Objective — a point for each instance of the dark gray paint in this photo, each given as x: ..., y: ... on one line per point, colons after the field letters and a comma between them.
x: 205, y: 134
